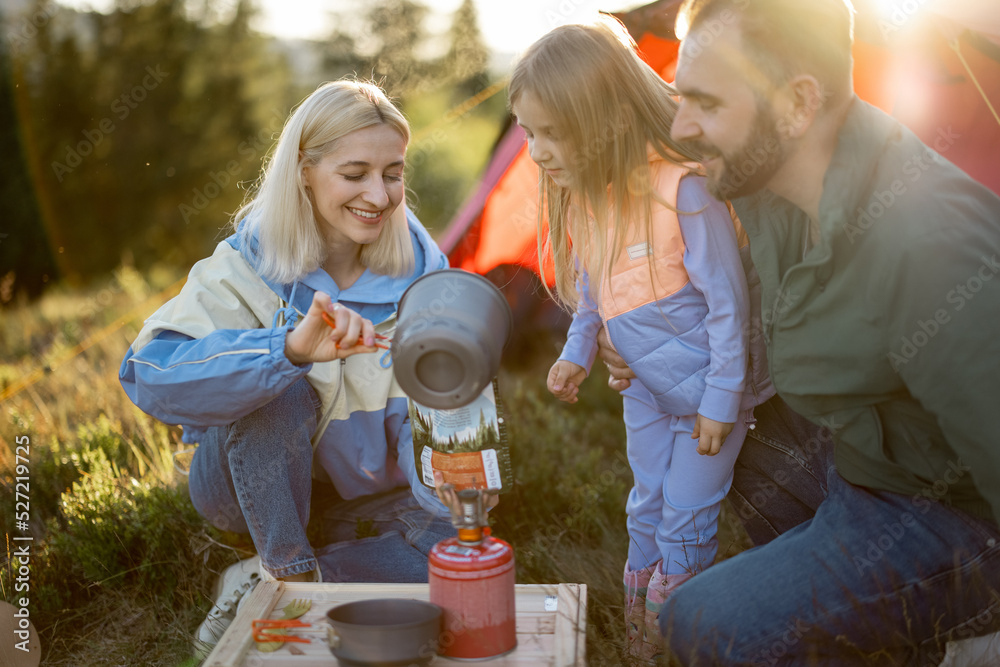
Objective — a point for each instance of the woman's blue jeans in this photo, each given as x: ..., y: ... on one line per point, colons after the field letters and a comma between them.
x: 255, y: 476
x: 843, y: 575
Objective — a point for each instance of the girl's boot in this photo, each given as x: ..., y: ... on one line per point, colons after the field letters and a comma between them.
x: 636, y: 583
x: 660, y: 587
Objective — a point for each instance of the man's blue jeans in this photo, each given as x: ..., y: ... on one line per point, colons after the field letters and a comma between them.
x: 255, y: 476
x: 842, y: 574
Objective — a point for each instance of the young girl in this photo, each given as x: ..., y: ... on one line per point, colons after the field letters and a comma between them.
x: 268, y: 359
x: 643, y: 251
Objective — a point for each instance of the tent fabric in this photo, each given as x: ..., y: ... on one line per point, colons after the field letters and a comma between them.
x: 505, y: 208
x: 938, y: 100
x: 980, y: 16
x: 904, y: 64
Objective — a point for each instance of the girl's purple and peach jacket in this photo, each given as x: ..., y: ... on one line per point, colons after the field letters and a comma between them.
x: 683, y: 308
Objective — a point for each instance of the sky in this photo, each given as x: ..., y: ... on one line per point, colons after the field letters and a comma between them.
x: 508, y: 26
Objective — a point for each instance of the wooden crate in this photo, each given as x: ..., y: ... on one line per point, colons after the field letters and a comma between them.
x: 551, y: 624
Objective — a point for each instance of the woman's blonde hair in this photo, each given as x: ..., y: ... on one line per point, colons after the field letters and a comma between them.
x: 610, y: 107
x: 279, y: 211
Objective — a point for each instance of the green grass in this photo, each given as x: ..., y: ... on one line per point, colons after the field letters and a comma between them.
x: 122, y: 567
x: 120, y: 564
x: 565, y: 515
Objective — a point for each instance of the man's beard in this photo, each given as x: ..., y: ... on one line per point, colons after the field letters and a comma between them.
x: 749, y: 168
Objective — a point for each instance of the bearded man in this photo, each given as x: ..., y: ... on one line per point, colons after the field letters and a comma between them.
x: 875, y: 497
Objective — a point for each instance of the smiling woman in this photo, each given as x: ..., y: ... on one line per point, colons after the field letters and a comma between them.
x: 252, y: 359
x: 355, y: 189
x: 344, y: 140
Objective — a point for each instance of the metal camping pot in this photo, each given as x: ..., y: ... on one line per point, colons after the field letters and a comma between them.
x: 472, y: 579
x: 452, y: 327
x: 384, y: 632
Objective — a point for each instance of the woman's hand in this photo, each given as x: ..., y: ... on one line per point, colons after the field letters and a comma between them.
x: 449, y: 497
x: 313, y: 339
x: 621, y: 374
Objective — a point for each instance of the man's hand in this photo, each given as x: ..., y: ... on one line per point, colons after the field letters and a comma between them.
x: 710, y: 435
x: 564, y: 380
x: 314, y: 340
x: 621, y: 374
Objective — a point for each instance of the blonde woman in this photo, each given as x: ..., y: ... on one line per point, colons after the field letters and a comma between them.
x: 642, y: 251
x: 287, y: 408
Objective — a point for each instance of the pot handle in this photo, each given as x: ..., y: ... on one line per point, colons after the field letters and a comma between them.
x: 332, y: 638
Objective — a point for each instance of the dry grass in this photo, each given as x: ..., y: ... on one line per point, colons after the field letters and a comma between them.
x: 565, y: 515
x: 58, y: 372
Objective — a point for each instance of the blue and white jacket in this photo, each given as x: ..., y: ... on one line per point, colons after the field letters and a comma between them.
x: 215, y: 353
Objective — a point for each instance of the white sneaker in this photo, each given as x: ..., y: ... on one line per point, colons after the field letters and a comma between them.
x: 975, y: 652
x: 233, y: 587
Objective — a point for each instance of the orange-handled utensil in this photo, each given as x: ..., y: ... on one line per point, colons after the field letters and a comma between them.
x: 333, y: 325
x: 261, y: 624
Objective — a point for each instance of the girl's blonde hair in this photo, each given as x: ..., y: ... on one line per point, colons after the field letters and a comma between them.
x: 610, y: 107
x: 279, y: 211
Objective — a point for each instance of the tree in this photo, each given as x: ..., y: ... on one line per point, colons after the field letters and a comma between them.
x: 26, y: 260
x: 466, y: 61
x: 143, y: 121
x: 397, y: 31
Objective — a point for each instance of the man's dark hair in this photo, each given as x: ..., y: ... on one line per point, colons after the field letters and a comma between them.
x: 785, y: 38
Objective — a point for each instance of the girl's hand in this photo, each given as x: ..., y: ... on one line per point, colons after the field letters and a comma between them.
x: 564, y: 380
x: 313, y: 339
x: 710, y: 434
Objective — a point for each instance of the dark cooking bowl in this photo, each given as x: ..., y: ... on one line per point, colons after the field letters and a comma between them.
x: 384, y: 633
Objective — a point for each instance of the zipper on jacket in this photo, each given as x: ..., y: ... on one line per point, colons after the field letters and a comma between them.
x: 604, y: 321
x: 321, y: 428
x: 607, y: 332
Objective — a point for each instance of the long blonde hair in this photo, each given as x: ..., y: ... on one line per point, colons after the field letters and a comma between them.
x: 611, y: 107
x: 279, y: 211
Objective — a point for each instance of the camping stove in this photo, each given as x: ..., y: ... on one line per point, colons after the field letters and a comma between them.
x: 472, y: 579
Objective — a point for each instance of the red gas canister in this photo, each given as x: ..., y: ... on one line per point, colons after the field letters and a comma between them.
x: 472, y: 579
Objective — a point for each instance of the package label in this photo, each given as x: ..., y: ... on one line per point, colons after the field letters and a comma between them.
x: 468, y: 445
